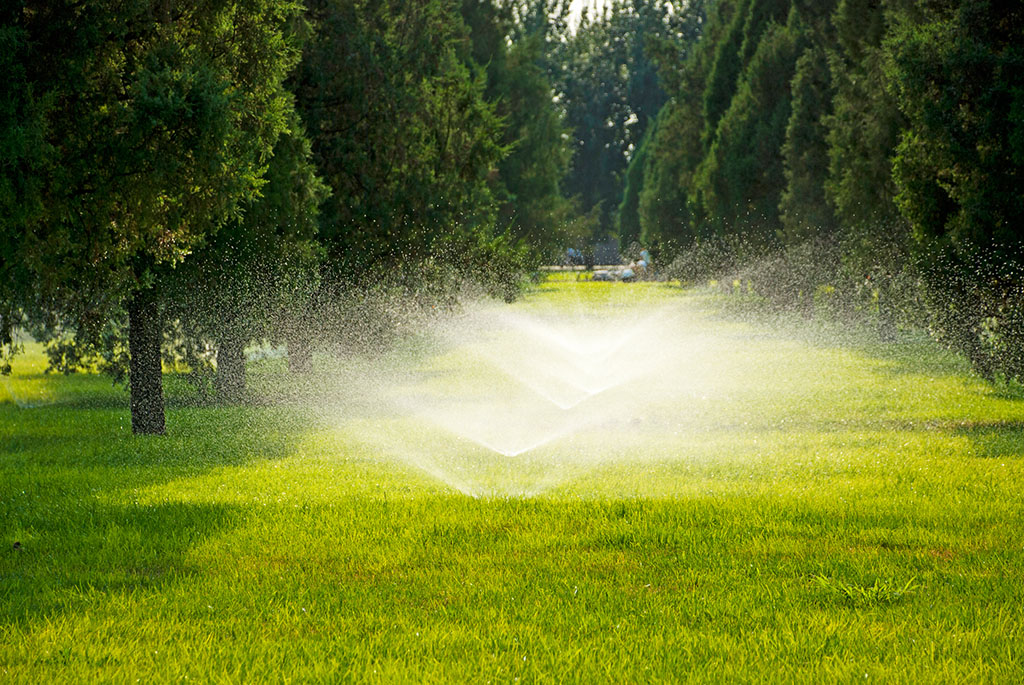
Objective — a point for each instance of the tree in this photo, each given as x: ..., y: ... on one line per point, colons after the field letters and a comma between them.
x: 666, y: 213
x: 528, y: 180
x: 627, y: 218
x: 400, y: 128
x: 956, y: 75
x: 23, y: 153
x: 246, y: 280
x: 732, y: 54
x: 740, y: 182
x: 611, y: 94
x: 156, y: 121
x: 864, y: 125
x: 804, y: 210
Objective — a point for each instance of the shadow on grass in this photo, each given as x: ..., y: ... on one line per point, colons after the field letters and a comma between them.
x: 72, y: 549
x: 67, y: 483
x: 997, y: 440
x: 81, y: 439
x: 909, y: 352
x: 68, y: 474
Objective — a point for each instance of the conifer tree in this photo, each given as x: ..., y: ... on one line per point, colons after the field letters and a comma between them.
x: 740, y: 182
x: 528, y: 181
x: 864, y: 125
x: 804, y: 210
x: 155, y: 121
x: 401, y: 131
x: 957, y: 75
x: 666, y: 213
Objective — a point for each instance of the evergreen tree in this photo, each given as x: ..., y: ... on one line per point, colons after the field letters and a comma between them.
x: 733, y: 53
x: 804, y: 210
x: 627, y: 218
x: 400, y: 128
x: 957, y: 74
x: 24, y: 153
x: 528, y: 179
x: 676, y: 148
x: 611, y: 94
x: 864, y: 125
x: 725, y: 67
x: 156, y: 120
x: 247, y: 280
x: 740, y: 182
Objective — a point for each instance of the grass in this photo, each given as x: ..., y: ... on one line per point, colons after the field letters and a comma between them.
x: 811, y: 507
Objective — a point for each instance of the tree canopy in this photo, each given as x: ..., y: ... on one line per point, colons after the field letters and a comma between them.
x: 191, y: 176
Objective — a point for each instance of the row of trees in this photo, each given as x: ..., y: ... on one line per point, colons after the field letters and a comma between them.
x: 892, y: 129
x: 181, y: 175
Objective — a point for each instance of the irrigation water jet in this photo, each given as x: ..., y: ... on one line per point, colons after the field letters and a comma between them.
x: 491, y: 398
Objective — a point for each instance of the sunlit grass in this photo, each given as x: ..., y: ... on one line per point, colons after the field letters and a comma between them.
x: 814, y: 507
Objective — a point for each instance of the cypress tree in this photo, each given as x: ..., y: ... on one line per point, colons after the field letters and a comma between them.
x: 740, y: 182
x: 957, y: 75
x: 804, y: 210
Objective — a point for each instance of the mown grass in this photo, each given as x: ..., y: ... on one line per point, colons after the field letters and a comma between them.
x: 820, y: 508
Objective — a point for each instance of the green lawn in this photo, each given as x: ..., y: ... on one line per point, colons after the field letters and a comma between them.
x: 787, y: 502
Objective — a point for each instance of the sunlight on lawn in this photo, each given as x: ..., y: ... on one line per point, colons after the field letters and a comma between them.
x: 762, y: 497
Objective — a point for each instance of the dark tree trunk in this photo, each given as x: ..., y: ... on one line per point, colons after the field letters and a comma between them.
x: 300, y: 356
x: 230, y: 379
x: 145, y: 375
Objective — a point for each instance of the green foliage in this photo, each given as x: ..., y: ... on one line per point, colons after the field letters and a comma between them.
x: 528, y: 178
x: 725, y: 68
x: 151, y: 125
x: 148, y: 144
x: 956, y: 74
x: 804, y: 210
x: 400, y: 128
x: 666, y: 212
x: 627, y: 218
x: 865, y: 124
x: 740, y: 182
x: 749, y: 20
x: 244, y: 282
x: 609, y: 87
x: 957, y: 80
x: 22, y: 152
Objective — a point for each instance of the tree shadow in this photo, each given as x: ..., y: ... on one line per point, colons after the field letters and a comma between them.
x: 196, y: 439
x: 95, y: 547
x: 902, y: 352
x: 996, y: 440
x: 69, y: 475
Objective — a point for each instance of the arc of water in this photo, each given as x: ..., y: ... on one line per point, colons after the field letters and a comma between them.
x: 541, y: 378
x: 564, y: 366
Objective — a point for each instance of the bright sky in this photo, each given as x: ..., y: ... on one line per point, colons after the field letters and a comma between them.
x: 576, y: 8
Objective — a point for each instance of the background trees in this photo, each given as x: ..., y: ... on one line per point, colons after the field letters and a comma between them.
x: 512, y: 49
x: 890, y: 127
x: 608, y: 84
x: 152, y: 122
x: 202, y: 172
x: 401, y: 129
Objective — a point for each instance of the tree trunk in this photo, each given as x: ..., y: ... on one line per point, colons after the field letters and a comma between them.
x: 230, y: 379
x: 145, y: 375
